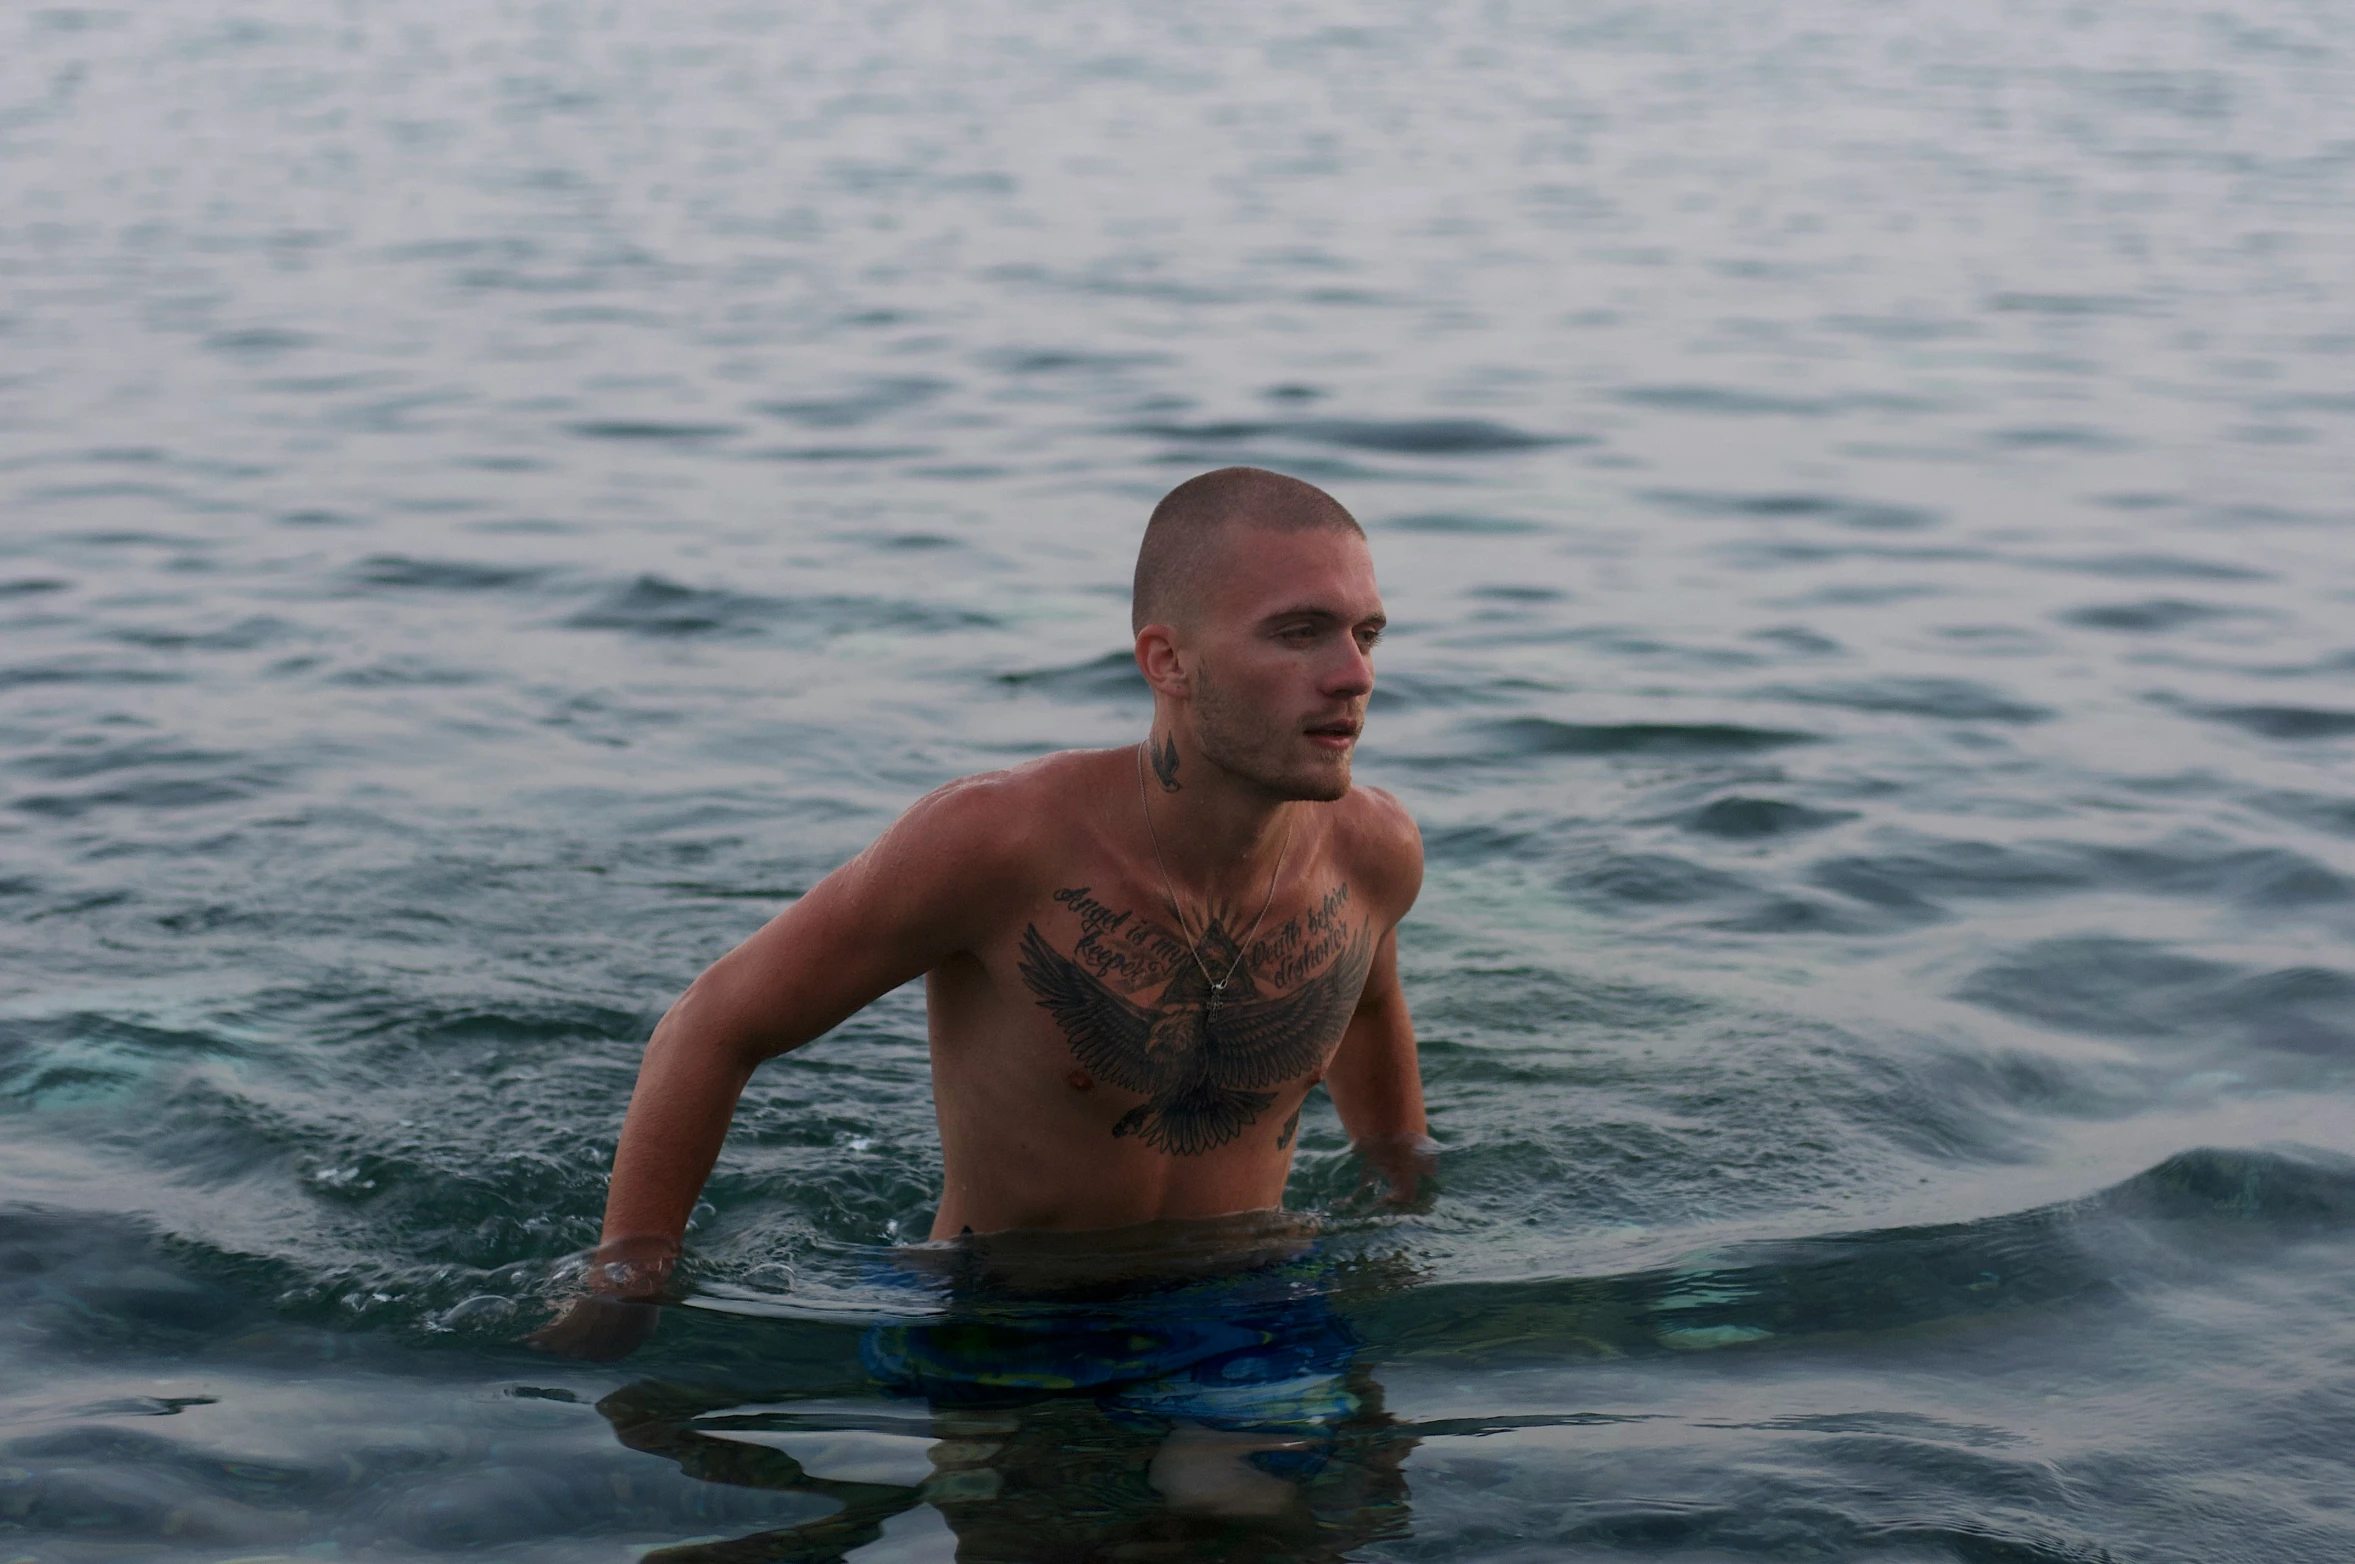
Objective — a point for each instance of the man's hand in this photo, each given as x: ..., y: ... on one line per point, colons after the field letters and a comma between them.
x: 597, y: 1329
x: 1405, y: 1163
x: 625, y: 1280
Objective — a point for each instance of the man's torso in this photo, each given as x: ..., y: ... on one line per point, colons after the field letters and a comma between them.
x: 1098, y: 1060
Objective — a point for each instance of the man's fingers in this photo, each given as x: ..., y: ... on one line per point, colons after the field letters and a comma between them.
x: 598, y: 1330
x: 1404, y: 1162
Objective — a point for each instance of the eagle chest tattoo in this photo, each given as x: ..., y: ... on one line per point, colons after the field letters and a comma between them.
x: 1204, y: 1058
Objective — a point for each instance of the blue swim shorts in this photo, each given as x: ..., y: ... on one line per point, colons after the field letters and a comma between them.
x: 1260, y: 1351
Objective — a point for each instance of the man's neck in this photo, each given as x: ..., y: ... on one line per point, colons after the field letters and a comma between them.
x: 1213, y: 830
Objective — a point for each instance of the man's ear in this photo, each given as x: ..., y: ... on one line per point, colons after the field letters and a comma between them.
x: 1159, y: 661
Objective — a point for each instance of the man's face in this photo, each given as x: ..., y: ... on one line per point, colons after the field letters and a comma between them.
x: 1283, y: 659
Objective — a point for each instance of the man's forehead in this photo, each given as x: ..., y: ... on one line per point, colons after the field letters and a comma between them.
x: 1327, y: 570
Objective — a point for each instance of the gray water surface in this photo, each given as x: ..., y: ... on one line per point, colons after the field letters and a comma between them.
x: 496, y: 500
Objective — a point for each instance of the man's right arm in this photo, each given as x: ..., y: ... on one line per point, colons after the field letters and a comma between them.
x: 926, y: 888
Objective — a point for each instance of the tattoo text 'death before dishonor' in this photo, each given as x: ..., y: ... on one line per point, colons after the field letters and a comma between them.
x: 1203, y: 1058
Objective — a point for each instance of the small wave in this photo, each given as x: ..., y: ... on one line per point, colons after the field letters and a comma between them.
x: 1866, y: 515
x: 439, y: 575
x: 2157, y: 567
x: 2294, y: 723
x: 84, y: 673
x: 1114, y: 281
x: 237, y: 636
x: 1900, y: 328
x: 1784, y: 914
x: 77, y: 1277
x: 2067, y: 304
x: 2251, y: 876
x: 410, y: 672
x: 654, y: 606
x: 2140, y: 991
x: 2071, y: 437
x: 1057, y: 361
x: 1739, y: 818
x: 1737, y: 903
x: 2146, y: 617
x: 2319, y: 810
x: 1458, y: 523
x: 1912, y: 878
x: 1211, y: 433
x: 1431, y: 436
x: 1799, y: 639
x: 1406, y: 437
x: 1960, y: 700
x: 52, y: 1061
x: 1113, y: 676
x: 839, y: 453
x: 1396, y: 692
x: 1728, y: 400
x: 1546, y: 736
x: 651, y: 431
x: 1881, y: 1281
x: 1898, y: 883
x: 84, y: 1278
x: 77, y: 762
x: 146, y: 793
x: 1471, y: 844
x: 878, y: 399
x: 1657, y: 879
x: 258, y: 343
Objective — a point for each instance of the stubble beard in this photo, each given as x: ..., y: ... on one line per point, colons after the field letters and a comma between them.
x: 1252, y: 747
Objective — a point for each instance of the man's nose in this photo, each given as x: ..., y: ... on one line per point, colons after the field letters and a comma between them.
x: 1351, y: 675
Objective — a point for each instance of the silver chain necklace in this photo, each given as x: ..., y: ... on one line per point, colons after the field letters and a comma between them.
x: 1218, y: 986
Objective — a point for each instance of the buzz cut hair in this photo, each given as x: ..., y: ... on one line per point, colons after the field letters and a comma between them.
x: 1185, y: 537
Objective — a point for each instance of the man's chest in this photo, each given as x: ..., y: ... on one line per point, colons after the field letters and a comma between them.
x: 1208, y: 1021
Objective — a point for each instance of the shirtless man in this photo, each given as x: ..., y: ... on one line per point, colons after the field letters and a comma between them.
x: 1137, y: 961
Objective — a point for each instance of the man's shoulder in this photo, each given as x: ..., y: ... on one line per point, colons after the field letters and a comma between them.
x: 981, y: 848
x: 1379, y: 841
x: 1014, y: 810
x: 1378, y: 814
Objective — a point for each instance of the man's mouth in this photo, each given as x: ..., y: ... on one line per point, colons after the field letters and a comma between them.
x: 1336, y: 735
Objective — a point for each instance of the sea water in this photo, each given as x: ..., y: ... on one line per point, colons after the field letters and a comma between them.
x: 497, y: 499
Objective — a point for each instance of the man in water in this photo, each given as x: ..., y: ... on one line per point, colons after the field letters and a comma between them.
x: 1137, y: 961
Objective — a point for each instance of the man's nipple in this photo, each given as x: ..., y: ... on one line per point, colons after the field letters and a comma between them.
x: 1080, y: 1080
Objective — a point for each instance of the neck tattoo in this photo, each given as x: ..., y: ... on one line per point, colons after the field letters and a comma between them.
x: 1218, y: 986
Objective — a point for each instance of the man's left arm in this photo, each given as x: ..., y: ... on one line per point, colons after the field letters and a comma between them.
x: 1377, y: 1085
